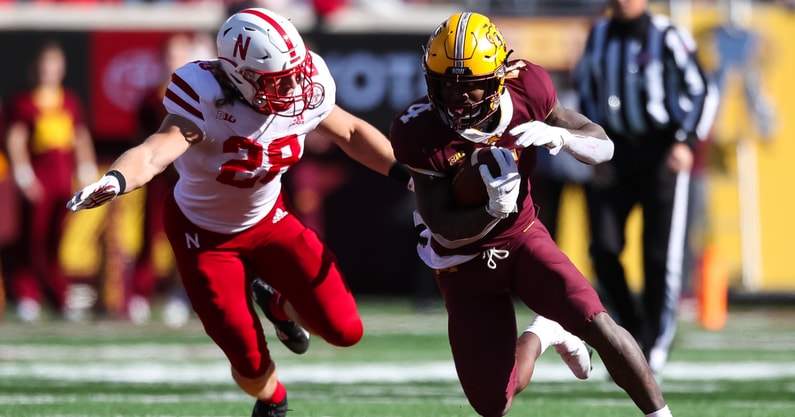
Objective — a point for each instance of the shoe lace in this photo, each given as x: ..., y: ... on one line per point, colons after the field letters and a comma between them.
x: 493, y: 254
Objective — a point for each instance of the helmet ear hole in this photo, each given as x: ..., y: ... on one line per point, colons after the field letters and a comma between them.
x: 465, y: 48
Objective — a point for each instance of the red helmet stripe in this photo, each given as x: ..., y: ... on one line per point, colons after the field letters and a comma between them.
x: 290, y: 46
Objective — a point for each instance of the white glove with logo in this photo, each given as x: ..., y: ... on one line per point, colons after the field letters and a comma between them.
x: 538, y: 133
x: 503, y: 190
x: 96, y: 194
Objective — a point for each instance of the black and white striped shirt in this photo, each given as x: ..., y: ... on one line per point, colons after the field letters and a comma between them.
x: 642, y: 78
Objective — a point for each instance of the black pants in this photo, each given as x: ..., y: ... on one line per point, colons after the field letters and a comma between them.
x: 638, y: 175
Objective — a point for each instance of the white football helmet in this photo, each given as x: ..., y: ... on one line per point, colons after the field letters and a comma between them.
x: 265, y: 58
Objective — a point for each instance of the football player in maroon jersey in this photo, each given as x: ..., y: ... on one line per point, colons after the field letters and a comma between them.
x: 486, y: 256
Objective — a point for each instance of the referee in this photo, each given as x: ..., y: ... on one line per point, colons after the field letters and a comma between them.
x: 639, y: 78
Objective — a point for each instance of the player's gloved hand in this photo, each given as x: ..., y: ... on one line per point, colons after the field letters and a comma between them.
x: 537, y: 133
x: 96, y: 194
x: 503, y: 189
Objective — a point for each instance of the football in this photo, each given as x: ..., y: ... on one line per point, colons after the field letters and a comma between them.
x: 468, y: 187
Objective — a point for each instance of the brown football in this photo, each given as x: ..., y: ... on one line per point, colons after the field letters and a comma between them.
x: 468, y: 187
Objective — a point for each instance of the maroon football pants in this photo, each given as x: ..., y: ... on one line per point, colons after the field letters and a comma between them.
x: 481, y: 317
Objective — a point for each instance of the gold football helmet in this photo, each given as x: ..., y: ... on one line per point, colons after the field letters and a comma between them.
x: 465, y: 50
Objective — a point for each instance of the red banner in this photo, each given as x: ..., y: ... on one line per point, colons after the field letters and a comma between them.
x: 124, y: 65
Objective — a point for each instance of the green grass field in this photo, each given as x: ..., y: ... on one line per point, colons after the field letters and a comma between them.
x: 402, y: 368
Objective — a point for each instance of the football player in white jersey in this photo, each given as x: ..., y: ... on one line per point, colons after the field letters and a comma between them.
x: 235, y: 126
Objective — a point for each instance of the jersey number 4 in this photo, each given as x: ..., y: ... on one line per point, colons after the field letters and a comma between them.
x: 260, y: 164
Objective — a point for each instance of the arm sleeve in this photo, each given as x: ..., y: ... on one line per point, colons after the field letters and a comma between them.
x: 589, y: 149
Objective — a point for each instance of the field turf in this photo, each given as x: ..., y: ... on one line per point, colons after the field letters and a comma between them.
x: 402, y: 368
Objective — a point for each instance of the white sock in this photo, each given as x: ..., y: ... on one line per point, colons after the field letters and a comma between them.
x: 663, y: 412
x: 545, y: 330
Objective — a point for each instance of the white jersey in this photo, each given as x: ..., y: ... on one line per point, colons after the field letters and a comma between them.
x: 230, y: 180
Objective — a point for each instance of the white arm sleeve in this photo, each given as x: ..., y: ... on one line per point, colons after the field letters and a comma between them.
x: 588, y: 149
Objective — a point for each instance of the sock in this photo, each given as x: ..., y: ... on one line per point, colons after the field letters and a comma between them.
x: 663, y: 412
x: 277, y: 307
x: 279, y: 394
x: 541, y: 328
x: 277, y: 403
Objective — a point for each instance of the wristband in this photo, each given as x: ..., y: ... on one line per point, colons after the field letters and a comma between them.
x: 399, y: 173
x: 119, y: 177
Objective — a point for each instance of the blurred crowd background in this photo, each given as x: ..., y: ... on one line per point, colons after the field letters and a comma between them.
x: 117, y: 52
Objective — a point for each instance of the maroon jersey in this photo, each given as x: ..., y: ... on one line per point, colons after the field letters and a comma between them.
x: 421, y: 141
x: 51, y: 120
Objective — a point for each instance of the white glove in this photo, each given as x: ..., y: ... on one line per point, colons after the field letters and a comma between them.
x: 96, y: 194
x: 503, y: 190
x: 538, y: 133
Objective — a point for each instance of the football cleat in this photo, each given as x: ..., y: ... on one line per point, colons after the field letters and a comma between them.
x: 293, y: 336
x: 263, y: 409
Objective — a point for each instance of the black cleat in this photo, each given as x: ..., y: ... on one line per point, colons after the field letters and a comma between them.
x: 295, y: 337
x: 263, y: 409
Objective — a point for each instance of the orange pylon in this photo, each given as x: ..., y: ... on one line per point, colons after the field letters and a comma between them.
x: 713, y: 290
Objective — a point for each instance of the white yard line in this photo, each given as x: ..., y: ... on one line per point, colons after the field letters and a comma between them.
x: 218, y: 372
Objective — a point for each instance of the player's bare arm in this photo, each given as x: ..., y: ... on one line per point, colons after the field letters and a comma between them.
x: 435, y: 203
x: 589, y: 142
x: 358, y: 139
x: 568, y: 130
x: 17, y: 145
x: 140, y: 164
x: 574, y: 122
